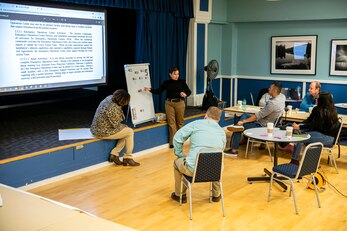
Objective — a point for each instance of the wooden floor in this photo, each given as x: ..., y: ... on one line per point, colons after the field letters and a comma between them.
x: 139, y: 197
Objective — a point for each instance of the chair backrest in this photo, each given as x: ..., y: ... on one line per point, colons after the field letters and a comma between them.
x: 208, y: 166
x: 252, y: 98
x: 260, y: 94
x: 337, y: 137
x: 277, y: 121
x: 310, y: 159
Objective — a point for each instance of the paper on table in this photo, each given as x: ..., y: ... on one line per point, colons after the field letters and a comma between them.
x: 75, y: 134
x: 300, y: 112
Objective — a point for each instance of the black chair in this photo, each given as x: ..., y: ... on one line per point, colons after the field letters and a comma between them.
x: 208, y: 168
x: 308, y: 166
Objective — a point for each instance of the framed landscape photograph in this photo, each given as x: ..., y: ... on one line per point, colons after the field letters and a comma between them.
x: 338, y: 58
x: 294, y: 55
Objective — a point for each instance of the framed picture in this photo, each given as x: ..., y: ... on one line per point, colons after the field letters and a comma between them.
x: 294, y: 55
x: 338, y: 58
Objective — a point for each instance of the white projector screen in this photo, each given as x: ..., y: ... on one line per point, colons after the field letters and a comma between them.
x: 50, y: 48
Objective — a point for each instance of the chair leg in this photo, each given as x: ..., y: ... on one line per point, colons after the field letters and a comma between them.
x: 316, y: 189
x: 268, y: 149
x: 181, y: 191
x: 333, y: 160
x: 294, y: 197
x: 247, y: 147
x: 222, y: 197
x: 270, y: 187
x: 190, y: 201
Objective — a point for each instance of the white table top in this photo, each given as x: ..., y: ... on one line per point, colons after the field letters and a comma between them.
x: 278, y: 136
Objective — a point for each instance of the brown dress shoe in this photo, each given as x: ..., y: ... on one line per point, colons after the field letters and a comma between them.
x: 115, y: 159
x: 177, y: 198
x: 130, y: 162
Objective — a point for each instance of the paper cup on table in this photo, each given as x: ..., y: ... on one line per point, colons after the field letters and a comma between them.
x: 270, y: 129
x: 290, y: 108
x: 239, y: 103
x: 289, y: 132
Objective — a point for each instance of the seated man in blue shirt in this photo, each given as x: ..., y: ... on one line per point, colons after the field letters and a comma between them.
x: 203, y: 133
x: 310, y: 99
x: 272, y: 110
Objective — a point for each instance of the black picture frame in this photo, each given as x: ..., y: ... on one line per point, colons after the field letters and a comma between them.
x: 338, y: 57
x: 295, y: 55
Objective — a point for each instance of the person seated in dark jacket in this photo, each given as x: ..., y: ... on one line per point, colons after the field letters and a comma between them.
x: 322, y: 124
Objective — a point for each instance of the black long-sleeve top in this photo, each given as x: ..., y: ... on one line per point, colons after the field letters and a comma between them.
x: 313, y: 123
x: 173, y: 88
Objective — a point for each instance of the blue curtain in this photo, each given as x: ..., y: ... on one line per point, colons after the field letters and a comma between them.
x: 180, y: 8
x: 161, y: 40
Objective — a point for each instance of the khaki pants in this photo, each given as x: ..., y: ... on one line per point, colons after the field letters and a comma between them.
x: 124, y: 137
x: 175, y: 117
x: 228, y: 134
x: 181, y: 168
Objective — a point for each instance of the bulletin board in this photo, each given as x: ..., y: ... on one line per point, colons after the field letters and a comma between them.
x: 141, y: 102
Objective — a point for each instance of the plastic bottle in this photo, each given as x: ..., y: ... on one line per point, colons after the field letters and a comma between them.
x: 244, y: 104
x: 298, y: 90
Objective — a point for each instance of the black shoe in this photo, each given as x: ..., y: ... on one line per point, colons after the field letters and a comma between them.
x: 171, y: 146
x: 231, y: 153
x: 130, y: 162
x: 216, y: 199
x: 236, y: 128
x: 115, y: 159
x: 177, y: 198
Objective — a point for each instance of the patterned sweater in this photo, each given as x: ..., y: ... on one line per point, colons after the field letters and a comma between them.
x: 107, y: 119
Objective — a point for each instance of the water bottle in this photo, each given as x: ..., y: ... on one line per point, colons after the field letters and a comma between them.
x: 244, y: 104
x: 298, y: 90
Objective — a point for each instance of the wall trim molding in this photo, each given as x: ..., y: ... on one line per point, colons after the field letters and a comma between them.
x: 272, y: 78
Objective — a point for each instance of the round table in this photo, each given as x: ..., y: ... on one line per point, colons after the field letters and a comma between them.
x: 279, y: 136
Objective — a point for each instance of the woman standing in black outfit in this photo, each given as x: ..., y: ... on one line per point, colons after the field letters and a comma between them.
x: 176, y: 91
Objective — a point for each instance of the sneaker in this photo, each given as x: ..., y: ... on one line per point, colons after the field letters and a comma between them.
x: 177, y: 198
x: 216, y: 199
x: 231, y: 153
x: 235, y: 128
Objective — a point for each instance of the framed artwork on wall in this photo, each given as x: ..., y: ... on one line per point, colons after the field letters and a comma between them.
x: 294, y: 55
x: 338, y: 57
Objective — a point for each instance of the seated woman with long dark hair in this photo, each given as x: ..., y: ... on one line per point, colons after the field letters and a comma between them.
x: 322, y: 124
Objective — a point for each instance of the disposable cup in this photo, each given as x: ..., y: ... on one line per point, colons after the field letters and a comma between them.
x: 289, y: 132
x: 270, y: 129
x: 290, y: 108
x: 239, y: 103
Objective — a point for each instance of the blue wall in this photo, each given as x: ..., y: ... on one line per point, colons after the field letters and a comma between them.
x: 240, y: 39
x: 254, y: 45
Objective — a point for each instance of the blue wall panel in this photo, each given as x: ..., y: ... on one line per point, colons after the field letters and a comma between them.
x: 204, y: 5
x: 200, y: 58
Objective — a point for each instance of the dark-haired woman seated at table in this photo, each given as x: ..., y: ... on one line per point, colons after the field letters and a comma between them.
x: 322, y: 124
